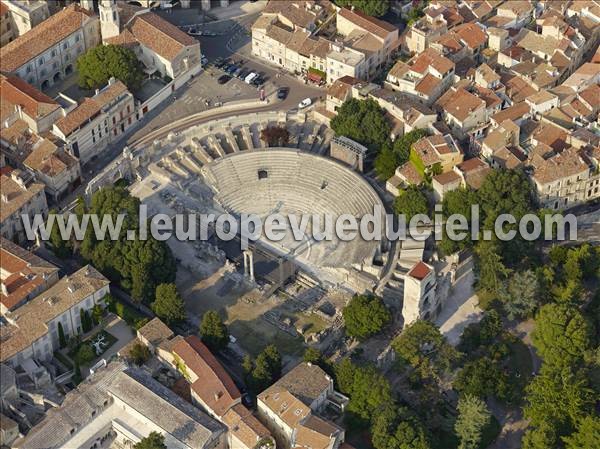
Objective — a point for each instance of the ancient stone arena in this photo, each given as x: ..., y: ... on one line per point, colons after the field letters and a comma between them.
x: 290, y: 182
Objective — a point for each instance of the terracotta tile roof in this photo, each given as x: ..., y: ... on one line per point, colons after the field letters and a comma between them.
x: 90, y: 108
x: 316, y: 433
x: 591, y: 95
x: 408, y: 173
x: 16, y: 195
x: 160, y: 36
x: 3, y: 9
x: 551, y: 135
x: 155, y: 331
x: 433, y: 58
x: 279, y: 34
x: 373, y: 25
x: 472, y: 164
x: 48, y: 159
x: 306, y: 382
x: 295, y: 11
x: 22, y: 273
x: 244, y: 426
x: 449, y: 177
x: 125, y: 39
x: 419, y: 271
x: 471, y: 34
x: 428, y: 84
x: 35, y: 104
x: 32, y: 318
x: 450, y: 42
x: 430, y: 148
x: 340, y: 88
x: 40, y: 38
x: 283, y: 403
x: 488, y: 95
x: 514, y: 112
x: 459, y: 103
x: 565, y: 164
x: 214, y: 386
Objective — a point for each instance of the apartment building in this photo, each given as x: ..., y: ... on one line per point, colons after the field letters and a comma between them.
x: 92, y: 125
x: 564, y: 180
x: 32, y: 329
x: 463, y: 111
x: 118, y: 406
x: 56, y: 168
x: 21, y: 101
x: 26, y: 14
x: 47, y: 53
x: 23, y: 275
x: 20, y: 195
x: 426, y: 76
x: 290, y: 407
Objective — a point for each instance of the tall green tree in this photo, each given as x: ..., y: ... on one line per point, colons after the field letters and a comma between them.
x: 138, y: 265
x: 213, y: 331
x: 491, y: 271
x: 154, y: 440
x: 96, y: 66
x: 558, y: 398
x: 266, y: 369
x: 376, y: 8
x: 392, y: 430
x: 587, y: 435
x: 519, y: 294
x: 410, y: 202
x: 62, y: 340
x: 365, y: 316
x: 168, y: 304
x: 422, y: 346
x: 363, y: 121
x: 473, y: 417
x: 561, y: 335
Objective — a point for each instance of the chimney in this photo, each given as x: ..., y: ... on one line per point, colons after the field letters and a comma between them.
x: 4, y: 289
x: 4, y: 197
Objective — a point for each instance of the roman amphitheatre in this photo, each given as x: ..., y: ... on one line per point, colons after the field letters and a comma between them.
x: 285, y: 291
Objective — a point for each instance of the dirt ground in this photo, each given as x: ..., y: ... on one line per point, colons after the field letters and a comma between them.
x: 242, y: 315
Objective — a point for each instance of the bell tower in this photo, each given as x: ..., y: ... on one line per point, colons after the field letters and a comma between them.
x: 109, y: 19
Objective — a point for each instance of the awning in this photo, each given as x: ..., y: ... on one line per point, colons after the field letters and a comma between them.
x: 312, y: 76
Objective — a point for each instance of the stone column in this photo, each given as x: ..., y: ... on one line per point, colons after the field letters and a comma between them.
x: 205, y: 5
x: 249, y: 265
x: 224, y: 3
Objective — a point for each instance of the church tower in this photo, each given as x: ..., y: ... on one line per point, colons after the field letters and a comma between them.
x: 109, y: 19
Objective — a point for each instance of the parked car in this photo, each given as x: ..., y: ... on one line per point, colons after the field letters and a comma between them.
x: 237, y: 72
x: 304, y: 103
x: 243, y: 74
x: 282, y: 93
x: 219, y: 62
x: 204, y: 60
x: 231, y: 69
x: 251, y: 77
x: 258, y: 81
x: 223, y: 79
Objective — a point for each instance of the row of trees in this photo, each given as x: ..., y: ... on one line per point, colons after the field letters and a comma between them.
x: 263, y: 371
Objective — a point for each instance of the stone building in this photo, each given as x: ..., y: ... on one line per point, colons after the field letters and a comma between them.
x: 420, y: 300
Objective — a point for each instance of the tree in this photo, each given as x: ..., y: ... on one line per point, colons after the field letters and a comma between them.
x: 391, y: 430
x: 168, y: 305
x: 138, y: 265
x: 403, y: 144
x: 473, y: 417
x: 85, y: 354
x: 587, y: 435
x: 376, y: 8
x: 139, y: 353
x: 410, y: 202
x: 558, y: 398
x: 365, y: 316
x: 86, y: 321
x: 386, y: 163
x: 423, y: 347
x: 367, y: 388
x: 265, y: 370
x: 213, y: 331
x: 96, y: 66
x: 519, y: 294
x: 97, y: 313
x: 561, y: 335
x: 363, y: 121
x: 60, y: 247
x: 275, y: 136
x: 490, y: 327
x: 481, y: 378
x: 491, y: 271
x: 542, y: 437
x: 154, y: 440
x: 61, y: 336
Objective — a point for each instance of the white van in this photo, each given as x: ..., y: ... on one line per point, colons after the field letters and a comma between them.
x: 250, y: 77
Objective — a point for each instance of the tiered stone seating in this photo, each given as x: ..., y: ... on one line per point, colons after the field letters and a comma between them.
x: 215, y: 144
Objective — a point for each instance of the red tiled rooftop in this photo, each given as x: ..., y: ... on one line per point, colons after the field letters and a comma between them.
x: 420, y: 271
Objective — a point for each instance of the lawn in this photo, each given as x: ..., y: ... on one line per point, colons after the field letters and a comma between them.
x: 254, y: 337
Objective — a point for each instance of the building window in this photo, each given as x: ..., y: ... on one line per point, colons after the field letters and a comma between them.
x: 40, y: 61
